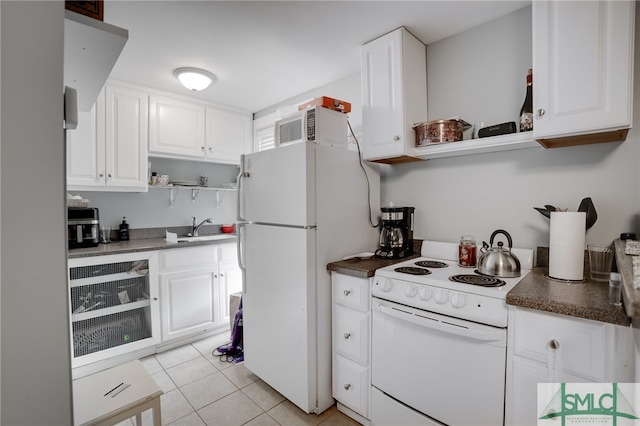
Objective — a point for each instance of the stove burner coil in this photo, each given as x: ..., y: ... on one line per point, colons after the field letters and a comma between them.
x: 481, y: 280
x: 431, y: 264
x: 412, y: 270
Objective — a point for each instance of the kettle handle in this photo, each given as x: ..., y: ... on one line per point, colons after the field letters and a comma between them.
x: 503, y: 232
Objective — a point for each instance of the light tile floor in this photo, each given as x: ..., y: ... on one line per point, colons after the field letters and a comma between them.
x: 200, y: 389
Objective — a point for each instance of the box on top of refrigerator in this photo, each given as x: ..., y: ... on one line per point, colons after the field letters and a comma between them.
x: 331, y: 103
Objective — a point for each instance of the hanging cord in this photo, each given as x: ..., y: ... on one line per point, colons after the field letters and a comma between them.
x: 366, y: 177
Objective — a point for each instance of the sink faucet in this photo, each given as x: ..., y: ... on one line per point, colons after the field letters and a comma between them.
x: 195, y: 228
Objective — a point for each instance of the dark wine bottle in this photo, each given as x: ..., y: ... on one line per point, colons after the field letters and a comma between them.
x: 526, y: 112
x: 124, y: 230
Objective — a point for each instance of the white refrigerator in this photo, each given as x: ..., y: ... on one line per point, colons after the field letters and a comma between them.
x: 300, y: 207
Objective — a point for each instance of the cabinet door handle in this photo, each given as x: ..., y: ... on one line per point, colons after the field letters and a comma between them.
x: 347, y: 292
x: 202, y: 148
x: 109, y: 175
x: 554, y: 344
x: 222, y: 275
x: 210, y: 149
x: 347, y: 386
x: 215, y: 275
x: 396, y: 138
x: 347, y: 335
x: 541, y: 112
x: 101, y: 175
x: 155, y: 298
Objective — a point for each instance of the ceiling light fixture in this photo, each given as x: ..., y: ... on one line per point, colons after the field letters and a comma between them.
x: 194, y: 79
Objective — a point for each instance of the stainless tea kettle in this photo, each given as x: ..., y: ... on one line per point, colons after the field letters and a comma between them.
x: 498, y: 261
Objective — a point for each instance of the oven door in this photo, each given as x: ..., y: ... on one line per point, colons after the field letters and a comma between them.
x: 450, y: 370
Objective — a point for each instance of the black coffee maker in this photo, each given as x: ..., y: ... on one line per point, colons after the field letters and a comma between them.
x: 396, y: 235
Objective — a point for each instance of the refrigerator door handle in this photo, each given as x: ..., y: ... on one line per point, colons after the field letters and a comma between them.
x: 241, y: 175
x: 240, y: 248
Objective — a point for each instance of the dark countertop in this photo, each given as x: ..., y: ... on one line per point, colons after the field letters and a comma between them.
x: 141, y: 244
x: 588, y: 300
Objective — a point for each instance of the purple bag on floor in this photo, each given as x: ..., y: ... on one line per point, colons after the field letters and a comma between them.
x: 233, y: 351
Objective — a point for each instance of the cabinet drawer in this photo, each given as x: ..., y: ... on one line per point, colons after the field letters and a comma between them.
x: 351, y: 334
x: 580, y: 345
x: 351, y: 385
x: 187, y: 258
x: 351, y: 291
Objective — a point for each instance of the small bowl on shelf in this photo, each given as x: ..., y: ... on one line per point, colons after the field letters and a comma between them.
x: 228, y: 228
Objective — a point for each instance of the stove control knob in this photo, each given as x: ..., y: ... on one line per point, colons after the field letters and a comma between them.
x: 385, y: 285
x: 458, y: 300
x: 410, y: 290
x: 426, y: 293
x: 441, y: 297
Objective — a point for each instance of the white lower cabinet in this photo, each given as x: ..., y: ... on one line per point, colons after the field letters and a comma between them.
x: 551, y: 348
x: 189, y: 301
x: 113, y: 306
x: 351, y: 329
x: 195, y: 284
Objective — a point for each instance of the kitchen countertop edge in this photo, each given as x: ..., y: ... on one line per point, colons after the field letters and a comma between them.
x: 138, y: 245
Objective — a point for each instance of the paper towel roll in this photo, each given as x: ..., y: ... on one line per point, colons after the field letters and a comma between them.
x: 566, y: 245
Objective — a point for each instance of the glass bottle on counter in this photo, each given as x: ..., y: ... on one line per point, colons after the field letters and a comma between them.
x: 124, y: 230
x: 526, y: 112
x: 467, y: 251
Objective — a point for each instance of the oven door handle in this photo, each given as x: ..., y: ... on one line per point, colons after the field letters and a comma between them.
x: 440, y: 325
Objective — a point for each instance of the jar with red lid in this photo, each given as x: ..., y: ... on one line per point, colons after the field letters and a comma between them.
x: 467, y: 251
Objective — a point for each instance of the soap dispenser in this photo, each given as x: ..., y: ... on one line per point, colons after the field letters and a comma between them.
x: 124, y: 230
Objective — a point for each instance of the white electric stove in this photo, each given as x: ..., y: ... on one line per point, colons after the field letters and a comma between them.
x: 438, y: 345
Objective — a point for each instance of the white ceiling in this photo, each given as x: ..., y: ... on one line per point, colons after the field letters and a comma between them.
x: 265, y: 52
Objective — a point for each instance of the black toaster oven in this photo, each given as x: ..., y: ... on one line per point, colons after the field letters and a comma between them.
x: 83, y: 227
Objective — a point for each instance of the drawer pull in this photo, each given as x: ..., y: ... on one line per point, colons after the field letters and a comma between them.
x: 347, y: 386
x: 347, y: 292
x: 347, y: 335
x: 554, y: 344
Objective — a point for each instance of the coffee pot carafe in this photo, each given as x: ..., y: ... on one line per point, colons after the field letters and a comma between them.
x: 396, y: 233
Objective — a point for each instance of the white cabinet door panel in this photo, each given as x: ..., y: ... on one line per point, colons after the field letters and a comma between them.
x: 126, y: 137
x: 583, y: 66
x: 176, y: 127
x: 228, y: 136
x: 189, y: 303
x: 85, y: 149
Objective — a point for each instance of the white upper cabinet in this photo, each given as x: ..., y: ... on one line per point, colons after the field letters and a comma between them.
x: 176, y: 128
x: 126, y: 137
x: 394, y: 96
x: 582, y: 71
x: 85, y: 149
x: 228, y: 135
x: 108, y: 150
x: 183, y: 129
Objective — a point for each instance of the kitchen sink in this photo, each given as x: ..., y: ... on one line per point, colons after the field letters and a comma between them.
x: 206, y: 238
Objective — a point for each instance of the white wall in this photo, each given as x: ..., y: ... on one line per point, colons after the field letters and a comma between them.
x: 36, y: 358
x: 479, y: 75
